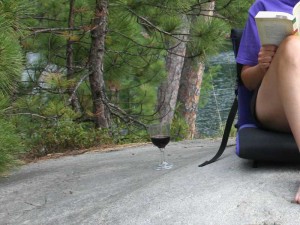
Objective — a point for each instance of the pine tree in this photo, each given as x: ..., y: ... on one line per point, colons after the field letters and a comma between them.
x: 96, y: 63
x: 202, y: 31
x: 126, y: 60
x: 11, y: 67
x: 11, y: 57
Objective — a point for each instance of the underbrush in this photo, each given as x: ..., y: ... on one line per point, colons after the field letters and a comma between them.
x: 27, y: 137
x: 11, y: 146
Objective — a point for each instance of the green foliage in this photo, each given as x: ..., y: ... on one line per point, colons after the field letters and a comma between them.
x: 49, y: 126
x: 66, y: 135
x: 236, y: 12
x: 220, y: 132
x: 11, y: 62
x: 11, y: 58
x: 207, y: 38
x: 11, y: 143
x: 12, y: 12
x: 52, y: 45
x: 134, y: 65
x: 207, y: 83
x: 124, y: 133
x: 179, y: 129
x: 233, y: 131
x: 11, y: 146
x: 11, y: 67
x: 170, y: 24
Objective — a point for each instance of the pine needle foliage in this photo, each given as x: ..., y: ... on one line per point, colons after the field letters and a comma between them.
x: 12, y: 144
x: 138, y: 33
x: 11, y: 62
x: 207, y: 38
x: 12, y: 30
x: 11, y: 58
x: 11, y: 67
x: 234, y: 13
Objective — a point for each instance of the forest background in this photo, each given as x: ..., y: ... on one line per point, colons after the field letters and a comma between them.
x: 76, y: 74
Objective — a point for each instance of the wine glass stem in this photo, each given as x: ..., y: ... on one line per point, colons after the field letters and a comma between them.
x: 163, y: 158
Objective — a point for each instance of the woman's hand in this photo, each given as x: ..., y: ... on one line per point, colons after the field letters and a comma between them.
x: 265, y: 56
x: 253, y: 75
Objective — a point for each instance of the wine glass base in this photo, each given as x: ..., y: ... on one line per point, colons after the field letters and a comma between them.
x: 164, y: 166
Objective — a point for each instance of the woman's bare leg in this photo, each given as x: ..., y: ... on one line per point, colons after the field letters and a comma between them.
x: 278, y: 100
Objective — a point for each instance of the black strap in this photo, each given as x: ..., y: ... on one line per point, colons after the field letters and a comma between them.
x: 228, y: 126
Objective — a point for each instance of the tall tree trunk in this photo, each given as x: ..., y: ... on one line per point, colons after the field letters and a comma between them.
x: 191, y: 79
x: 189, y: 92
x: 98, y: 33
x: 70, y: 60
x: 168, y: 90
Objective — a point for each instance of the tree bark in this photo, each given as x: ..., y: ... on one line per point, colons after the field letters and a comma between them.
x: 189, y: 93
x: 70, y: 60
x: 96, y: 79
x: 168, y: 90
x: 191, y: 79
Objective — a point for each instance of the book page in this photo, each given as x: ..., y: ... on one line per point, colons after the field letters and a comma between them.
x: 273, y: 31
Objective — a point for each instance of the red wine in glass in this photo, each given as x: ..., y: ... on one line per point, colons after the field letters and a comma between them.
x: 160, y: 137
x: 160, y: 140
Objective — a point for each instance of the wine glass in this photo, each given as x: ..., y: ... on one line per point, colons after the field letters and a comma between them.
x: 160, y: 137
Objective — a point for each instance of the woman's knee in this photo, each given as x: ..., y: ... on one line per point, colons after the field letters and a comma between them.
x: 287, y: 56
x: 289, y: 49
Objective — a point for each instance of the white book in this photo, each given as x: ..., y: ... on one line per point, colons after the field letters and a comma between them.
x: 273, y: 27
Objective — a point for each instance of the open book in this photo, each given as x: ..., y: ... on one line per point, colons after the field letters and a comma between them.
x: 273, y: 27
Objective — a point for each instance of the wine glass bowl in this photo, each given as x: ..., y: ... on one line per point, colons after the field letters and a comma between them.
x: 160, y: 137
x: 160, y: 141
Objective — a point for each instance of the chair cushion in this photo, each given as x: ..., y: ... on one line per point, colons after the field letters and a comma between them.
x: 264, y: 145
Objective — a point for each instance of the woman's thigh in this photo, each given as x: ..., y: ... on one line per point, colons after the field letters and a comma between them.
x: 269, y: 108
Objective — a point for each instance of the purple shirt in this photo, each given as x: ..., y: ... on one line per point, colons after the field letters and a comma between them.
x: 250, y: 44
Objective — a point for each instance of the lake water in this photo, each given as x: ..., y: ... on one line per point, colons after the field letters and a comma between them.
x: 214, y: 114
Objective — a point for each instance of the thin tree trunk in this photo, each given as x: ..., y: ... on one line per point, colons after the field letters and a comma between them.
x: 191, y: 79
x: 98, y: 33
x: 70, y: 60
x: 168, y: 90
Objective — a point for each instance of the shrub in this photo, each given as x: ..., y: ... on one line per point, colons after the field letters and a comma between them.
x: 179, y: 129
x: 67, y: 135
x: 11, y: 146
